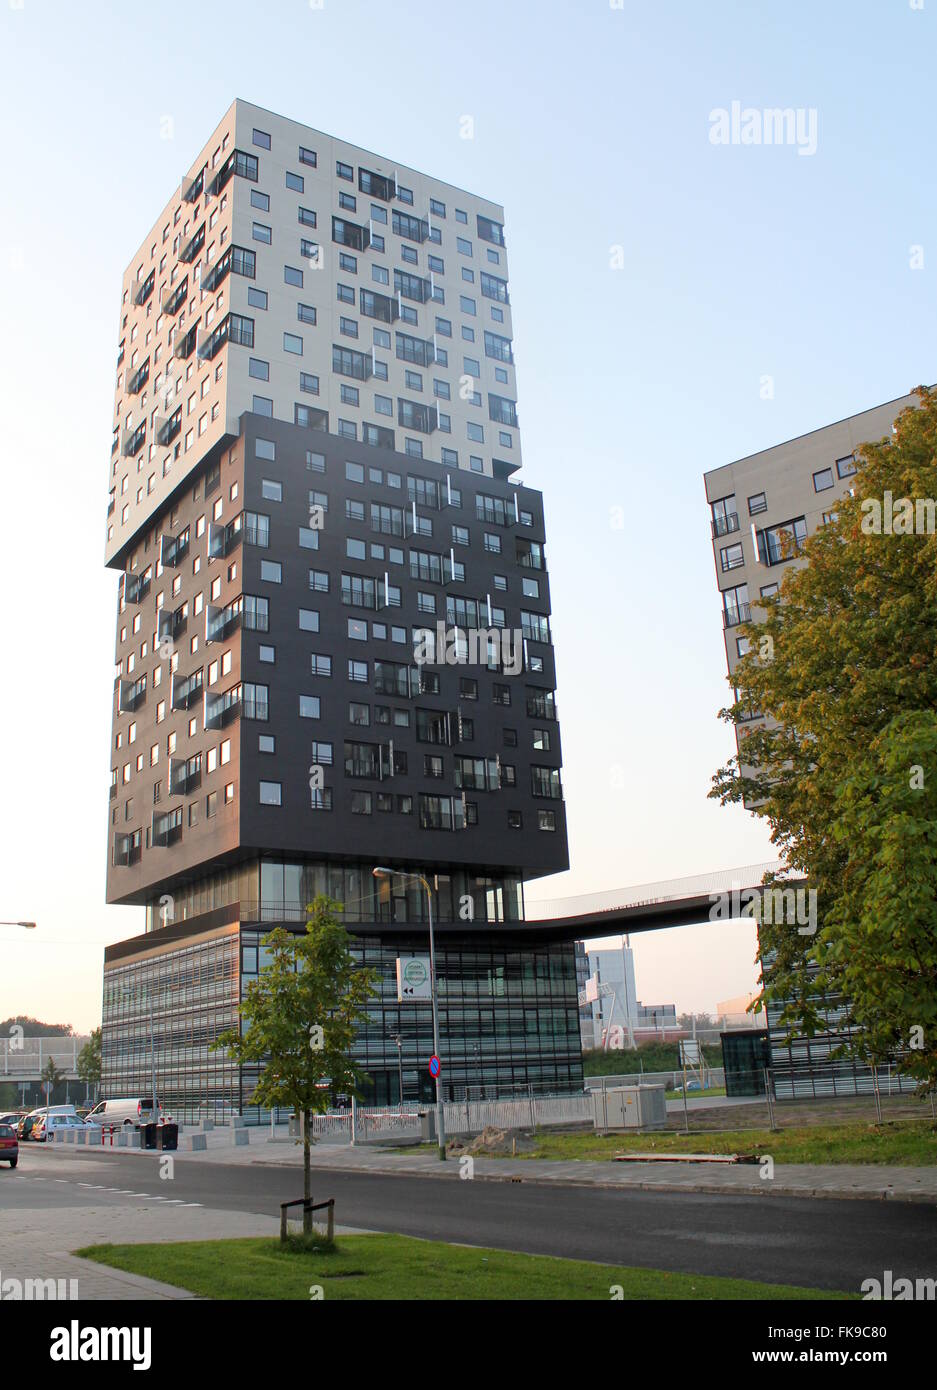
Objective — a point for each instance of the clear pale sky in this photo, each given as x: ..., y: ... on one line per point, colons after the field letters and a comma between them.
x: 591, y: 126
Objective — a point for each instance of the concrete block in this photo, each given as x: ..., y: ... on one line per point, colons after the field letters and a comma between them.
x: 81, y: 1136
x: 207, y: 1126
x: 241, y: 1137
x: 68, y: 1135
x: 198, y: 1143
x: 123, y: 1141
x: 238, y: 1122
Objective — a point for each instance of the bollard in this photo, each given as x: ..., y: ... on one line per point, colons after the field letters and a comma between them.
x: 123, y: 1140
x: 207, y: 1126
x: 198, y: 1143
x: 81, y: 1136
x: 241, y: 1137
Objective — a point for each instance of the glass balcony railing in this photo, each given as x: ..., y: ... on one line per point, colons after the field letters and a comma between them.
x: 722, y: 525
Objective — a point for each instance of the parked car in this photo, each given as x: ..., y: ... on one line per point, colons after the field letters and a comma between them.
x: 45, y: 1128
x: 127, y: 1111
x: 9, y: 1145
x: 13, y: 1118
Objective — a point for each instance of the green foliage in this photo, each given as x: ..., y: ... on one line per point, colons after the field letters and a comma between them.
x: 89, y: 1059
x: 35, y: 1028
x: 845, y: 768
x: 312, y: 982
x: 652, y: 1056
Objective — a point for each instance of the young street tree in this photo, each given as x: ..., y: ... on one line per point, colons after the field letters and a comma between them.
x: 51, y: 1077
x: 844, y: 769
x: 298, y: 1020
x: 89, y: 1060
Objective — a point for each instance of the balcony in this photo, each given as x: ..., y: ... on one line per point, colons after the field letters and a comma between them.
x: 722, y: 525
x: 168, y: 427
x: 221, y: 709
x: 166, y: 828
x: 411, y: 286
x: 133, y: 441
x: 245, y: 166
x: 136, y: 586
x: 382, y: 307
x: 220, y: 622
x: 185, y: 775
x: 193, y: 246
x: 127, y: 848
x: 141, y: 290
x: 185, y: 692
x: 138, y: 380
x: 183, y: 341
x: 350, y: 234
x: 232, y: 329
x: 420, y: 351
x: 408, y: 227
x: 191, y: 189
x: 378, y: 436
x: 174, y: 299
x: 377, y: 185
x: 173, y: 549
x: 223, y: 539
x: 311, y: 417
x: 413, y: 415
x: 737, y: 613
x: 130, y: 695
x: 237, y: 260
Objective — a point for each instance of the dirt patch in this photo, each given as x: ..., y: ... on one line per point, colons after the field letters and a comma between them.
x: 494, y: 1142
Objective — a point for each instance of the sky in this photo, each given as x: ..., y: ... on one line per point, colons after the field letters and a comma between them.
x: 677, y: 303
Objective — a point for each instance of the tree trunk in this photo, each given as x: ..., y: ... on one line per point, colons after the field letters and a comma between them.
x: 307, y: 1175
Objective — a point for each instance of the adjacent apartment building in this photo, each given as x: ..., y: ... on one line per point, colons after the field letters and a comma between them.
x: 762, y: 508
x: 333, y: 635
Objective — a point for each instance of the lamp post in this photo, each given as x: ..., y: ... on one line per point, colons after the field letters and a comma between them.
x: 30, y: 926
x: 440, y: 1122
x: 395, y: 1037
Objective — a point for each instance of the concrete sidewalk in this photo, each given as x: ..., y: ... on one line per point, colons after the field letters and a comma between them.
x: 37, y: 1243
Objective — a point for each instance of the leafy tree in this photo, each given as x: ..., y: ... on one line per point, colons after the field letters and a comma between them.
x: 35, y: 1028
x: 51, y: 1077
x: 844, y: 769
x: 299, y: 1019
x: 89, y: 1060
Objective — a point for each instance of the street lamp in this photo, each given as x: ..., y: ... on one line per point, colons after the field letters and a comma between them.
x: 395, y: 1037
x: 30, y: 926
x: 440, y: 1123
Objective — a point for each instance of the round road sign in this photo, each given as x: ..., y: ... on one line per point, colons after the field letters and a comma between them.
x: 434, y: 1065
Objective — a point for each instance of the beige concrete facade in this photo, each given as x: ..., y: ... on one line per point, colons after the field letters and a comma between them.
x: 798, y: 481
x: 165, y: 386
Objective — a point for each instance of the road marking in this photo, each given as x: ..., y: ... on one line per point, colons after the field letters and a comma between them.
x: 172, y: 1201
x: 191, y: 1204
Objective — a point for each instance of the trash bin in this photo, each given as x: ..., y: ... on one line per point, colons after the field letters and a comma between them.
x: 295, y: 1129
x: 167, y: 1135
x: 428, y: 1126
x: 148, y: 1134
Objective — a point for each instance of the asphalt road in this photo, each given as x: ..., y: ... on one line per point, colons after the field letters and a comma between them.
x: 818, y: 1243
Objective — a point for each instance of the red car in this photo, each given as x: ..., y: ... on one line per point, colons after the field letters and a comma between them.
x: 9, y: 1145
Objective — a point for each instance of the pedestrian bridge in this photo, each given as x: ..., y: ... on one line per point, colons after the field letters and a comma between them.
x: 25, y: 1059
x: 674, y: 902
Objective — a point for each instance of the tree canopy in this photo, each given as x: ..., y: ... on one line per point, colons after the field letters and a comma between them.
x: 843, y: 665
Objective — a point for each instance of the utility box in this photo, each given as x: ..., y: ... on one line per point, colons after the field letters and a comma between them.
x: 629, y: 1107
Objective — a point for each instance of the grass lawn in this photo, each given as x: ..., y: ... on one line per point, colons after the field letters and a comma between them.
x: 908, y: 1143
x: 399, y: 1267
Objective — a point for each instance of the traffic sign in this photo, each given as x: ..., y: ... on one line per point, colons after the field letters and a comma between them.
x: 434, y: 1065
x: 413, y: 978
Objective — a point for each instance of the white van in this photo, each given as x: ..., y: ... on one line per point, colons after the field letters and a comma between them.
x: 129, y: 1111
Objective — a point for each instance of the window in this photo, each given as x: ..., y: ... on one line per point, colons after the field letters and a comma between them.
x: 257, y: 298
x: 307, y: 156
x: 546, y: 820
x: 846, y: 467
x: 271, y: 490
x: 260, y: 200
x: 823, y: 480
x: 731, y: 557
x: 295, y: 181
x: 306, y: 313
x: 261, y: 139
x: 261, y: 232
x: 271, y: 794
x: 271, y: 571
x: 292, y: 276
x: 293, y: 343
x: 309, y: 706
x: 757, y: 503
x: 258, y: 369
x: 308, y: 620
